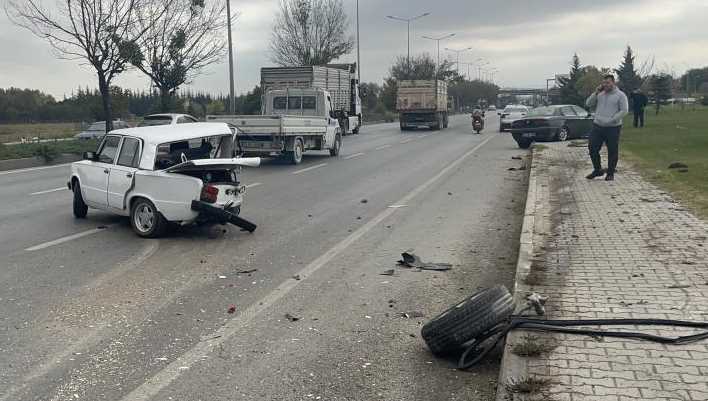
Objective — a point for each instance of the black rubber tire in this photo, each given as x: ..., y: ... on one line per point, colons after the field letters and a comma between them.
x: 295, y: 157
x: 159, y: 224
x: 525, y: 144
x: 80, y: 208
x: 334, y: 152
x: 452, y: 329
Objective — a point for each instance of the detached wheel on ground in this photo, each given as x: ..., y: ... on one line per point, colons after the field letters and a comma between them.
x: 80, y: 208
x: 563, y: 134
x: 146, y: 221
x: 451, y: 330
x: 295, y: 155
x: 337, y: 147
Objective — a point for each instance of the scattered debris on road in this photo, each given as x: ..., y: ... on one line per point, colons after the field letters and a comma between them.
x: 412, y: 315
x: 364, y: 201
x: 246, y: 271
x: 232, y: 308
x: 291, y: 318
x: 297, y: 277
x: 679, y: 286
x: 388, y: 272
x: 516, y: 158
x: 412, y: 260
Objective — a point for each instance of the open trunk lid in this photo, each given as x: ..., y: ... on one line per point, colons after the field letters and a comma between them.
x: 214, y: 164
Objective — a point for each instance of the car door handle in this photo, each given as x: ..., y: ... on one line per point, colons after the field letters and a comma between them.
x: 106, y: 171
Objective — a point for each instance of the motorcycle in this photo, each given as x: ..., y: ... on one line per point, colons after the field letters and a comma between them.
x: 477, y: 125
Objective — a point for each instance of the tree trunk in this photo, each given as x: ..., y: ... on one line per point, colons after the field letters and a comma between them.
x: 105, y: 89
x: 165, y: 100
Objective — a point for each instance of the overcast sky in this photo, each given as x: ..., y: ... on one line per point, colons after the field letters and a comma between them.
x: 526, y: 41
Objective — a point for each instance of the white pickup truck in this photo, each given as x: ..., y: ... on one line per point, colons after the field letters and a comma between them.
x: 294, y: 121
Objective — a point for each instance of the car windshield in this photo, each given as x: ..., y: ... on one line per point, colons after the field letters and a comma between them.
x: 542, y: 111
x: 211, y: 147
x: 514, y: 110
x: 150, y: 121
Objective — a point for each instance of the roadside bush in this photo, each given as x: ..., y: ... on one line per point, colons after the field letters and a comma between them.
x: 45, y: 152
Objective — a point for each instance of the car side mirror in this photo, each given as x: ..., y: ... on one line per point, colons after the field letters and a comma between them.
x: 90, y: 156
x: 498, y: 113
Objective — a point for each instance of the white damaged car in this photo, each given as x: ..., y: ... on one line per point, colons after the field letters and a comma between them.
x: 181, y: 174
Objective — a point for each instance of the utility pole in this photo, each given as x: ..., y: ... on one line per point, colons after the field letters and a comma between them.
x: 408, y: 21
x: 358, y: 54
x: 232, y: 99
x: 458, y: 55
x: 438, y: 39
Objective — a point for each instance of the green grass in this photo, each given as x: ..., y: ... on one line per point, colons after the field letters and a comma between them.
x: 14, y: 132
x: 674, y: 135
x: 46, y: 150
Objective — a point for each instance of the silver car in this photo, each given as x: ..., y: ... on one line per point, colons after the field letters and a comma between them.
x: 97, y: 130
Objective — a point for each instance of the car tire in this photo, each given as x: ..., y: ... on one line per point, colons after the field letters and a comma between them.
x: 80, y: 208
x: 524, y: 143
x: 337, y: 147
x: 451, y: 330
x: 146, y: 220
x: 563, y: 134
x: 295, y: 155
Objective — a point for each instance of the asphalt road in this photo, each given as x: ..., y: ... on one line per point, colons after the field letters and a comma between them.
x: 89, y: 311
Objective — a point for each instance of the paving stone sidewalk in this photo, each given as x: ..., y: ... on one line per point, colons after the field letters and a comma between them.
x: 621, y: 249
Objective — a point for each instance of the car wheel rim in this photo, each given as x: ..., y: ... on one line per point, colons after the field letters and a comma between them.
x: 144, y: 218
x: 563, y: 134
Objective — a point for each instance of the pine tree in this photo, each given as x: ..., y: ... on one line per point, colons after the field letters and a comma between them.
x: 570, y: 93
x: 627, y: 76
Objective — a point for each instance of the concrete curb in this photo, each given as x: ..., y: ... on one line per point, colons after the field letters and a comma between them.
x: 30, y: 162
x: 513, y: 366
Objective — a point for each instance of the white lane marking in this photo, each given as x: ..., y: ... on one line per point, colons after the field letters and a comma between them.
x: 169, y: 373
x: 383, y: 147
x: 255, y: 184
x: 67, y: 238
x: 24, y: 170
x: 354, y: 155
x: 406, y: 140
x: 50, y: 191
x: 309, y: 168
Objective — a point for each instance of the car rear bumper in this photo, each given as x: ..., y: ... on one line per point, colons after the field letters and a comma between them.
x: 219, y: 215
x: 543, y: 133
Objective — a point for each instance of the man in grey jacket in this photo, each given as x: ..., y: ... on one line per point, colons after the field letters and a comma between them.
x: 611, y: 106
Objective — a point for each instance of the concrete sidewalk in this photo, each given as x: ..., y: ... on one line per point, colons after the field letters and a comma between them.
x: 598, y: 249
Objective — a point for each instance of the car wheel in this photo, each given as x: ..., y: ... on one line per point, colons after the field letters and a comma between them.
x: 337, y: 146
x: 296, y: 154
x: 467, y: 320
x: 146, y: 220
x: 524, y: 143
x: 563, y: 134
x: 80, y: 208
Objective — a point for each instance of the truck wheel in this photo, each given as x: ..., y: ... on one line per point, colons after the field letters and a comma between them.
x: 146, y: 221
x: 337, y: 146
x: 448, y: 332
x: 296, y: 155
x: 80, y: 208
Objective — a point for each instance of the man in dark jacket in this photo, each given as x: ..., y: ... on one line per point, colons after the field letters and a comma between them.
x: 639, y: 102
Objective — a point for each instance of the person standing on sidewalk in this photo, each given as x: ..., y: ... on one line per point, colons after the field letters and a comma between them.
x: 639, y: 102
x: 611, y: 106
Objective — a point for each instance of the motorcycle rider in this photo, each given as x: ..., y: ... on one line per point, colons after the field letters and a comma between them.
x: 477, y: 117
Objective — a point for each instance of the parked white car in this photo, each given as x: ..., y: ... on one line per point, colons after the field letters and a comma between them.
x: 181, y: 174
x: 510, y: 114
x: 167, y: 119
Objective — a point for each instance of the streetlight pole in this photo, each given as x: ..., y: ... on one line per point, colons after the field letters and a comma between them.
x: 358, y: 54
x: 438, y: 39
x: 407, y: 21
x: 458, y: 55
x: 232, y: 100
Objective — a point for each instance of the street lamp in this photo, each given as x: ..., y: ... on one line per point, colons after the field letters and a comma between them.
x: 408, y: 21
x: 458, y: 55
x: 479, y: 67
x: 438, y: 39
x: 232, y: 100
x: 358, y: 54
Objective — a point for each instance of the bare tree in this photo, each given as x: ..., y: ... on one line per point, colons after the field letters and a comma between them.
x: 310, y: 32
x: 178, y: 42
x: 97, y: 32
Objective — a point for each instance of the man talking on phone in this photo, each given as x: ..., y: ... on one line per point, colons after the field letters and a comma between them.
x: 610, y: 108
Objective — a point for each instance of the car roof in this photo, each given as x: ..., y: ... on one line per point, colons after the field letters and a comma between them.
x: 158, y: 134
x: 520, y: 106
